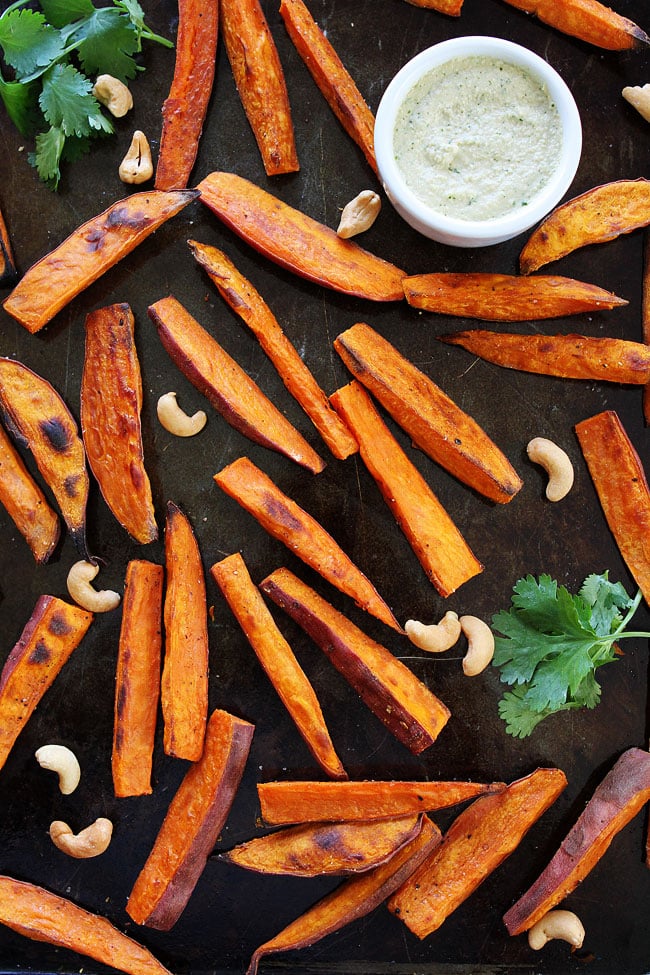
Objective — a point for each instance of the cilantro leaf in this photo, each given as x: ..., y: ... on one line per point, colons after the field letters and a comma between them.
x: 46, y: 158
x: 21, y: 103
x: 105, y: 42
x: 68, y: 104
x: 60, y: 13
x: 28, y: 42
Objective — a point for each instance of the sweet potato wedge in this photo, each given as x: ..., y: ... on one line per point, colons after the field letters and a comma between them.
x: 137, y: 679
x: 246, y: 302
x: 645, y: 318
x: 260, y: 81
x: 329, y: 73
x: 297, y: 242
x: 353, y: 899
x: 278, y: 660
x: 111, y: 403
x: 439, y: 546
x: 506, y: 297
x: 184, y: 686
x: 594, y: 217
x: 622, y: 488
x: 185, y: 107
x: 192, y: 824
x: 25, y: 503
x: 451, y: 7
x: 410, y: 711
x: 568, y: 356
x: 303, y: 802
x: 35, y: 414
x: 93, y: 248
x: 282, y: 518
x: 8, y: 273
x: 588, y: 20
x: 433, y: 421
x: 616, y: 800
x: 476, y: 843
x: 53, y: 631
x: 230, y: 390
x: 42, y: 916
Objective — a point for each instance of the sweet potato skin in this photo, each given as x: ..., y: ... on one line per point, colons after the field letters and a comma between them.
x: 587, y: 20
x: 451, y: 7
x: 26, y: 504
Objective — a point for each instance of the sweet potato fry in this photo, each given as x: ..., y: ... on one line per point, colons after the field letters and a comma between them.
x: 137, y: 679
x: 568, y: 356
x: 353, y: 899
x: 303, y: 802
x: 229, y: 389
x: 442, y: 551
x: 25, y: 503
x: 185, y: 107
x: 645, y: 317
x: 451, y: 7
x: 242, y: 297
x: 278, y: 660
x: 184, y: 686
x: 393, y: 693
x: 506, y: 297
x: 8, y: 273
x: 297, y: 242
x: 282, y: 518
x: 329, y: 73
x: 111, y: 402
x: 588, y: 20
x: 594, y: 217
x: 260, y: 82
x: 433, y: 421
x: 35, y: 414
x: 42, y: 916
x: 88, y: 252
x: 622, y: 488
x: 193, y: 822
x: 476, y: 843
x: 616, y: 800
x: 52, y: 632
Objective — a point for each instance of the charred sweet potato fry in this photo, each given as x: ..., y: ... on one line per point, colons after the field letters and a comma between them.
x: 393, y: 693
x: 8, y: 272
x: 260, y: 82
x: 246, y: 302
x: 111, y: 403
x: 329, y: 73
x: 230, y: 390
x: 353, y: 899
x: 185, y: 107
x: 42, y: 916
x: 594, y: 217
x: 192, y: 824
x: 35, y: 414
x: 451, y: 7
x: 25, y: 503
x: 616, y: 800
x: 52, y: 632
x: 282, y: 518
x: 588, y: 20
x: 622, y: 488
x: 439, y: 546
x: 88, y: 252
x: 476, y: 843
x: 568, y: 356
x: 297, y: 242
x: 137, y: 679
x: 433, y: 421
x: 645, y: 317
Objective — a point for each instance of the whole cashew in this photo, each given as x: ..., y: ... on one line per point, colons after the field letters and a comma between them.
x: 639, y: 97
x: 137, y: 165
x: 564, y: 925
x: 481, y: 645
x: 90, y: 842
x: 175, y: 420
x: 435, y: 637
x: 79, y: 578
x: 113, y: 94
x: 59, y: 759
x: 359, y: 214
x: 557, y: 465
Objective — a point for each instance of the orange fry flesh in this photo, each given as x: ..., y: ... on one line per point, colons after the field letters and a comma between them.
x: 451, y: 7
x: 588, y: 20
x: 26, y: 503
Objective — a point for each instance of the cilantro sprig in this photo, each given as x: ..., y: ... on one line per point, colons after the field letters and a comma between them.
x: 552, y: 643
x: 49, y: 57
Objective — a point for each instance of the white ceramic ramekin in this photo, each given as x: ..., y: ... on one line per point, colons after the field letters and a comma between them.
x: 479, y: 233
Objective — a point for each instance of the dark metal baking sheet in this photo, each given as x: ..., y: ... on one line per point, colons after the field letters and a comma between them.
x: 231, y: 911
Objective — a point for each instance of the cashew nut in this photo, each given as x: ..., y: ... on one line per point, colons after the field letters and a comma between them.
x: 137, y: 165
x: 114, y: 94
x: 435, y: 637
x: 175, y: 420
x: 79, y: 578
x: 90, y: 842
x: 639, y: 98
x: 59, y: 759
x: 564, y: 925
x: 481, y: 645
x: 557, y: 465
x: 359, y: 214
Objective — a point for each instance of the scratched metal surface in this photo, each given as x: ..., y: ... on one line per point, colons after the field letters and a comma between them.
x: 231, y: 911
